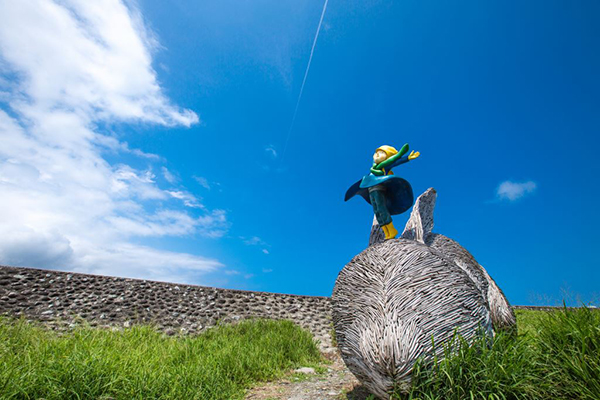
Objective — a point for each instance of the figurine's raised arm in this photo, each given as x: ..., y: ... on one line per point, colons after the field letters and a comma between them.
x: 396, y: 159
x: 402, y: 160
x: 393, y: 160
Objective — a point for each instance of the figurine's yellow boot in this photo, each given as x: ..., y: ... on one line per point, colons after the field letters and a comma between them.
x: 390, y: 231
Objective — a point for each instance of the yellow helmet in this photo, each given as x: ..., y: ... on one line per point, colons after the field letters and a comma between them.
x: 388, y: 150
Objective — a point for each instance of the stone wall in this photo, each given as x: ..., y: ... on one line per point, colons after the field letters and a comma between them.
x: 60, y: 299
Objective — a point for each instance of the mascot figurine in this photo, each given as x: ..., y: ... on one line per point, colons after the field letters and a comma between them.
x: 388, y: 194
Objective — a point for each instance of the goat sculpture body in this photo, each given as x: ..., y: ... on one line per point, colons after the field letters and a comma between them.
x: 403, y: 299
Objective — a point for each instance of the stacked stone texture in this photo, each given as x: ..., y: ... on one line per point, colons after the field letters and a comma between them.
x: 61, y: 299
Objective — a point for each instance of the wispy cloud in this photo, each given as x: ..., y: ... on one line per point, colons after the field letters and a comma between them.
x: 256, y: 241
x: 113, y: 145
x: 270, y: 163
x: 253, y: 241
x: 69, y: 67
x: 270, y: 149
x: 213, y: 225
x: 168, y: 175
x: 202, y: 181
x: 189, y: 200
x: 513, y: 191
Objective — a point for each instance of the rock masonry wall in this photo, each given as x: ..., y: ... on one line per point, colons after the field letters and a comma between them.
x: 60, y: 299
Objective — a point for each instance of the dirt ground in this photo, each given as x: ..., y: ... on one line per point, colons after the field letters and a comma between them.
x: 337, y: 383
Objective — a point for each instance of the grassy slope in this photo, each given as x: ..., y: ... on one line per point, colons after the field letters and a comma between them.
x: 141, y: 363
x: 556, y: 355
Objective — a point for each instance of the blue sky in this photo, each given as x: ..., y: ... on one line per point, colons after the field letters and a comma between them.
x: 146, y: 139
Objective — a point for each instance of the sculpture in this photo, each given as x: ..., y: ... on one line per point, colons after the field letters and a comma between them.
x: 397, y: 298
x: 388, y: 194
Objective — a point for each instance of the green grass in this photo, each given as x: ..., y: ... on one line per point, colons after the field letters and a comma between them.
x: 141, y: 363
x: 529, y: 321
x: 555, y: 355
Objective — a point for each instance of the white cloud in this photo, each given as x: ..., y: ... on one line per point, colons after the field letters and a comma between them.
x: 270, y: 149
x: 89, y: 57
x: 68, y: 67
x: 114, y: 145
x: 267, y: 270
x: 25, y: 246
x: 127, y: 182
x: 512, y: 191
x: 188, y: 199
x: 202, y: 181
x: 253, y: 241
x: 157, y: 264
x: 213, y: 225
x: 168, y: 175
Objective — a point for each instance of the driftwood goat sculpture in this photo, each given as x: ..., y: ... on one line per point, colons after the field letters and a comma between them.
x: 399, y: 297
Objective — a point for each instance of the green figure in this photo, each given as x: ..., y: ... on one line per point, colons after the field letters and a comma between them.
x: 388, y: 194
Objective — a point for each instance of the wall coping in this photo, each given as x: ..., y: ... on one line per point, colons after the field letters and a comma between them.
x: 155, y: 281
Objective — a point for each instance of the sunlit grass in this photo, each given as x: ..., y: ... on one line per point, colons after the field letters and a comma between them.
x: 569, y: 347
x: 141, y: 363
x: 556, y: 355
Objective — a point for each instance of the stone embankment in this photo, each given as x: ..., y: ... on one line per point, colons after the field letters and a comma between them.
x: 60, y: 299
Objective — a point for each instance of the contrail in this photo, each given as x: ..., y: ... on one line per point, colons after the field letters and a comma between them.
x: 312, y: 50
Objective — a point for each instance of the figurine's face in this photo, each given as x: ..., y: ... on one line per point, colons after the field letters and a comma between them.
x: 379, y: 156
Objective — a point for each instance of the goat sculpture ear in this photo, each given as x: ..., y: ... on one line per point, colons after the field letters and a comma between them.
x: 420, y: 223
